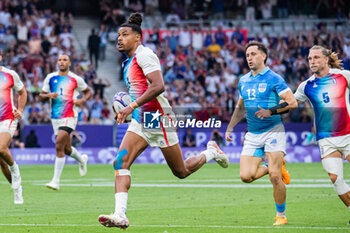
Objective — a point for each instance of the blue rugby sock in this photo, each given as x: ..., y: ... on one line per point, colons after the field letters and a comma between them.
x: 280, y: 209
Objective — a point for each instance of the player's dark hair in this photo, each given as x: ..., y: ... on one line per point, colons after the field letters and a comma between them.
x: 134, y: 22
x: 260, y: 46
x: 333, y: 60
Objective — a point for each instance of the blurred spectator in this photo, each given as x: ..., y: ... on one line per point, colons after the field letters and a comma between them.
x: 103, y: 42
x: 46, y: 45
x: 188, y: 140
x: 96, y: 110
x: 94, y: 46
x: 212, y: 82
x: 185, y: 37
x: 197, y: 39
x: 238, y: 35
x: 17, y: 139
x: 106, y: 114
x: 76, y: 139
x: 66, y: 38
x: 217, y: 137
x: 31, y: 140
x: 172, y: 40
x: 172, y: 19
x: 99, y: 87
x: 151, y: 7
x: 220, y: 37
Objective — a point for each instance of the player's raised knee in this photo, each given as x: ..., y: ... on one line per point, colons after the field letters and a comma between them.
x: 121, y: 161
x: 68, y: 151
x: 333, y: 177
x: 180, y: 174
x: 246, y: 178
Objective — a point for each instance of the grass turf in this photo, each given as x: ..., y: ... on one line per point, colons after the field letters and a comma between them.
x: 79, y: 202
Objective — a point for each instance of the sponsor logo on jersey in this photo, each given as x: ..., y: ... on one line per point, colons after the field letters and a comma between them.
x: 262, y: 87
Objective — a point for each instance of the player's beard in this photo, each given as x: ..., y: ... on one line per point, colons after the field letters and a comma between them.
x: 121, y: 50
x: 64, y: 69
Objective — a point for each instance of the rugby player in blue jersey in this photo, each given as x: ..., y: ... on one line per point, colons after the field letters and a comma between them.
x: 260, y: 93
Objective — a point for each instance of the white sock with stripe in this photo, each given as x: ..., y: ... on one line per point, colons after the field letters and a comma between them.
x: 209, y: 155
x: 121, y: 200
x: 76, y: 155
x: 59, y: 164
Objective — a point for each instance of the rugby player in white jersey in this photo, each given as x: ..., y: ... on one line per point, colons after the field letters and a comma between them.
x: 144, y: 80
x: 9, y: 115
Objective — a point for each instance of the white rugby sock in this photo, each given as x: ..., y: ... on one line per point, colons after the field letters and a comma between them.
x: 59, y: 164
x: 281, y: 214
x: 14, y: 169
x: 76, y: 155
x: 208, y: 155
x: 348, y: 207
x: 121, y: 200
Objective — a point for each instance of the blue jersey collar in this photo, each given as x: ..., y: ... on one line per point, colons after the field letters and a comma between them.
x: 261, y: 72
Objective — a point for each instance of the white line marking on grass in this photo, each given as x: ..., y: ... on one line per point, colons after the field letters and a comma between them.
x: 64, y: 180
x: 183, y: 226
x: 183, y: 181
x: 239, y: 180
x: 199, y: 185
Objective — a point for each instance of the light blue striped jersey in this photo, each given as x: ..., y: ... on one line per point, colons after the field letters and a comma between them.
x: 262, y: 90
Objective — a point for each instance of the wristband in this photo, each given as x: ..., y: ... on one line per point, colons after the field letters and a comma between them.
x: 279, y: 106
x: 134, y: 105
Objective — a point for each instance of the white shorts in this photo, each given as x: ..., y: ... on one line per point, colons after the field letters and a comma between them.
x: 273, y: 140
x: 163, y: 137
x: 8, y: 126
x: 70, y: 122
x: 329, y: 145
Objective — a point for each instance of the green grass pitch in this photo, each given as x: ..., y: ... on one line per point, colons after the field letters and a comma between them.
x: 211, y: 200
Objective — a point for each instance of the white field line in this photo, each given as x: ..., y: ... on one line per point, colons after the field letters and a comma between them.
x: 111, y: 184
x: 181, y: 181
x: 183, y: 226
x: 239, y: 180
x: 64, y: 180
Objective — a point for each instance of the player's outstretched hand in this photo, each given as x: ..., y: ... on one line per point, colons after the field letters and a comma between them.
x: 17, y: 114
x: 263, y: 113
x: 78, y: 102
x: 52, y: 95
x: 227, y: 136
x: 122, y: 114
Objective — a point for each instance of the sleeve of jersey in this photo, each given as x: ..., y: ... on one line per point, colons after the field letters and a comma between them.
x: 81, y: 85
x: 300, y: 94
x: 346, y: 74
x: 46, y: 86
x: 281, y: 86
x: 18, y: 85
x: 148, y: 62
x: 239, y: 90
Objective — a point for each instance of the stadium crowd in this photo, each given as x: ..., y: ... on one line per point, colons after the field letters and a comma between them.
x: 201, y: 68
x: 114, y: 13
x: 31, y: 37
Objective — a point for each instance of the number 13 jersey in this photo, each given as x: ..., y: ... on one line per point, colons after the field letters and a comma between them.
x: 263, y: 90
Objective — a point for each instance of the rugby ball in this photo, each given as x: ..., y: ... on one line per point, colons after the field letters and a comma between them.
x: 120, y: 101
